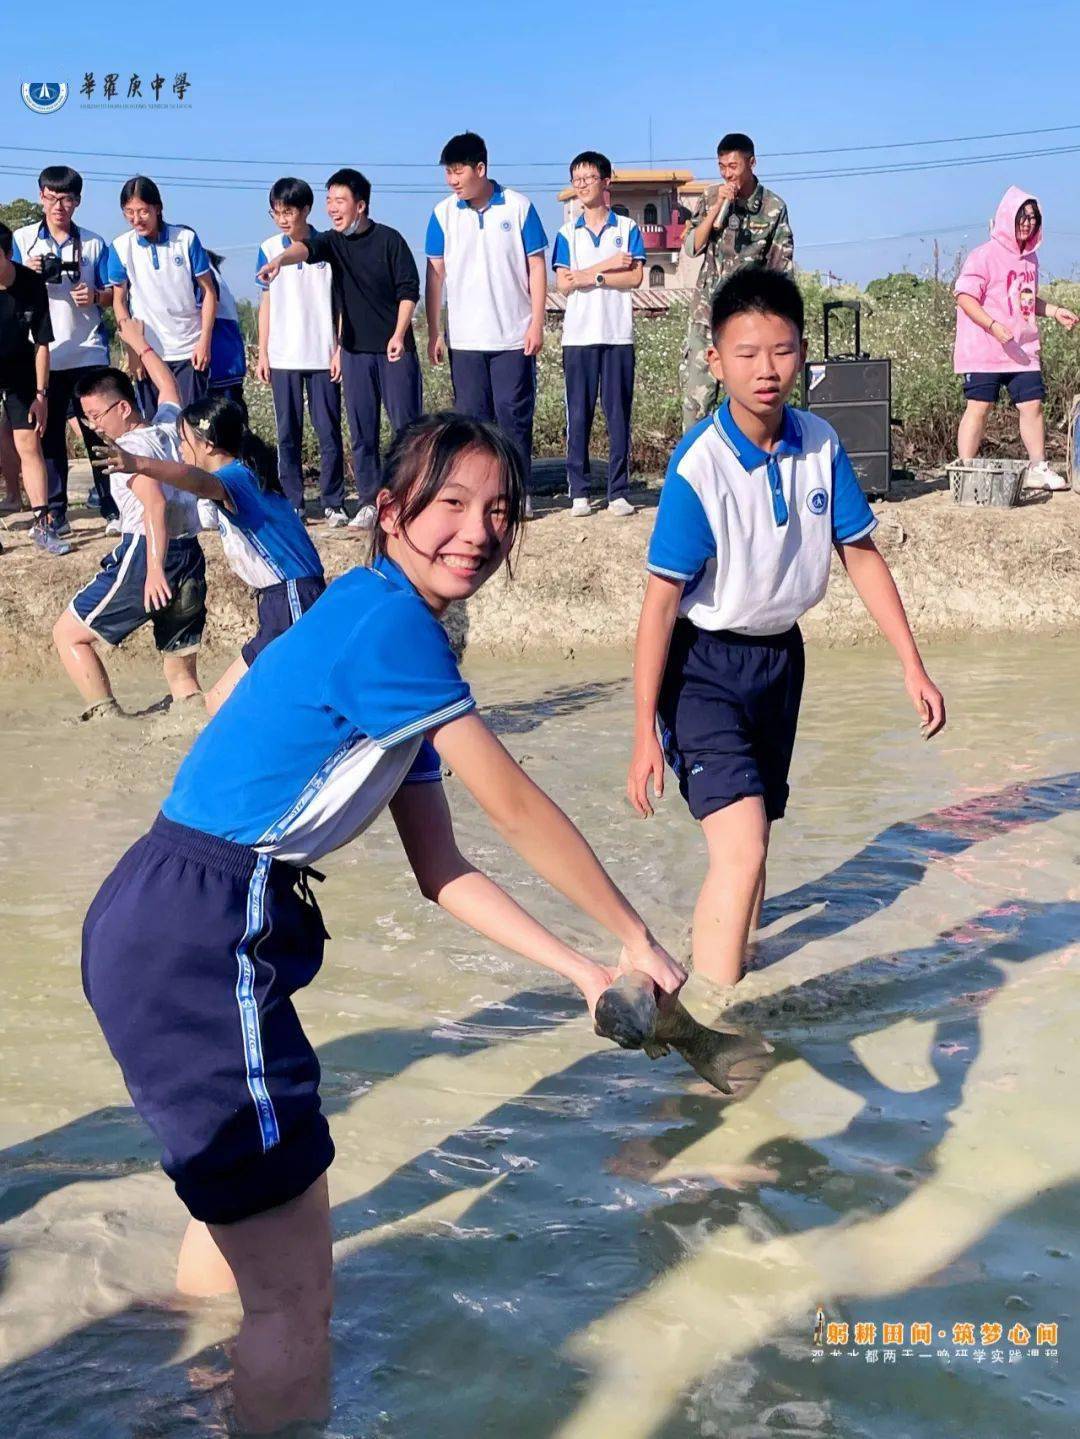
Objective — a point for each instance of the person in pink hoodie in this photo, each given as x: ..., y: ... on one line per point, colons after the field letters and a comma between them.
x: 997, y: 335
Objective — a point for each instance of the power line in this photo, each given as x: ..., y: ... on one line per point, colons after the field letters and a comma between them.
x: 539, y: 164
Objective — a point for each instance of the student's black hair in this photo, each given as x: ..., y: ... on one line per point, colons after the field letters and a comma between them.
x: 359, y: 185
x: 759, y: 292
x: 141, y: 187
x: 61, y: 180
x: 107, y: 382
x: 592, y: 157
x: 421, y: 457
x: 291, y: 192
x: 221, y: 422
x: 735, y: 140
x: 216, y: 259
x: 1035, y: 206
x: 7, y: 240
x: 464, y: 149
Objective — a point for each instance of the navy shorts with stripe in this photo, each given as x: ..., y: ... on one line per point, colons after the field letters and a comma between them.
x: 113, y: 603
x: 729, y: 709
x: 280, y: 606
x: 192, y: 951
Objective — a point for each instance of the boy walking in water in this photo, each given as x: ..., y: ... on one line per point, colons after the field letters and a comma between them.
x: 756, y: 497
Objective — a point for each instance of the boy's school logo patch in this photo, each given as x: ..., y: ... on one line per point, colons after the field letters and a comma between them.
x: 178, y: 259
x: 618, y: 242
x: 817, y: 502
x: 506, y: 224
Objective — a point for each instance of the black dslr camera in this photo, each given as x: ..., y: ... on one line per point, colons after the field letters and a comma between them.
x: 53, y: 269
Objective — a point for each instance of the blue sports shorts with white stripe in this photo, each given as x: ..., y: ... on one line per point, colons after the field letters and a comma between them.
x: 192, y: 950
x: 280, y: 606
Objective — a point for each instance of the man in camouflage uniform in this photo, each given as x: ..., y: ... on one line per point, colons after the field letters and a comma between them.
x: 737, y: 223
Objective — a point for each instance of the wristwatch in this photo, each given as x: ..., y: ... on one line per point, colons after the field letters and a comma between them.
x: 600, y: 279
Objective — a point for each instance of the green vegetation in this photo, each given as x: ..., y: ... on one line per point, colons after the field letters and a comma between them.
x: 904, y: 317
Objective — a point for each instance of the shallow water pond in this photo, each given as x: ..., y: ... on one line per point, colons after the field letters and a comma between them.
x: 540, y: 1236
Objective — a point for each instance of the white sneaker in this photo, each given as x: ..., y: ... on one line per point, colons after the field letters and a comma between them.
x: 114, y: 527
x: 619, y: 506
x: 335, y: 519
x: 364, y: 519
x: 528, y: 513
x: 581, y: 508
x: 1040, y: 476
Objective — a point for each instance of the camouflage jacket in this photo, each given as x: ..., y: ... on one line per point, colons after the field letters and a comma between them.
x: 753, y: 232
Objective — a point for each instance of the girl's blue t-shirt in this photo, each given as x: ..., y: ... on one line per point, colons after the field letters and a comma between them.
x: 318, y: 736
x: 264, y: 539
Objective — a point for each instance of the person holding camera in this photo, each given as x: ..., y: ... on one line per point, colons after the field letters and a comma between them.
x: 25, y: 335
x: 72, y: 262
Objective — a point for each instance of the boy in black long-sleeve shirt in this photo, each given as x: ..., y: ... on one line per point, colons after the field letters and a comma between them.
x: 376, y: 287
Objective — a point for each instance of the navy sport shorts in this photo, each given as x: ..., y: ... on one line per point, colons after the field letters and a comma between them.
x: 729, y: 708
x: 192, y: 950
x: 280, y: 606
x: 1022, y: 385
x: 112, y: 604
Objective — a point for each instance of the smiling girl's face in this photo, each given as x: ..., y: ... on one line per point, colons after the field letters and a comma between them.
x: 458, y: 540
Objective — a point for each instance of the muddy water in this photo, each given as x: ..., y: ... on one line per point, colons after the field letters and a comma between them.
x: 541, y: 1237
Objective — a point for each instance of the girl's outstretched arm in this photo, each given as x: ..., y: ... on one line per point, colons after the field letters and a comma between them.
x: 167, y: 472
x: 547, y: 840
x: 445, y: 876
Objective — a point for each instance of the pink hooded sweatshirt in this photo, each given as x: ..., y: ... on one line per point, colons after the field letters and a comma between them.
x: 1006, y: 284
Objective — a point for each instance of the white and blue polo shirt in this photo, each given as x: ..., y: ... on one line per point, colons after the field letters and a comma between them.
x: 751, y: 533
x: 159, y: 440
x: 79, y: 337
x: 301, y: 310
x: 263, y: 539
x: 160, y: 275
x: 486, y: 253
x: 600, y: 316
x: 319, y: 735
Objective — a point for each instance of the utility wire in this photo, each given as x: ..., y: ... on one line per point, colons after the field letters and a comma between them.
x: 540, y: 164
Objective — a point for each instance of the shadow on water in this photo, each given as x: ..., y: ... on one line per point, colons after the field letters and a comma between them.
x: 502, y: 1293
x: 897, y: 859
x: 515, y: 1292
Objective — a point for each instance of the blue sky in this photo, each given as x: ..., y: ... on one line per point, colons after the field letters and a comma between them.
x: 339, y: 84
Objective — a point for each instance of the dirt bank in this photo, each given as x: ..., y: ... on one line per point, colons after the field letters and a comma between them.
x: 578, y: 583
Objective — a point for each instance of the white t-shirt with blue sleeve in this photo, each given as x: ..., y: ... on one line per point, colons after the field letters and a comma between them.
x: 264, y: 540
x: 79, y: 337
x: 600, y: 315
x: 486, y: 254
x: 318, y: 736
x: 750, y: 533
x: 160, y: 275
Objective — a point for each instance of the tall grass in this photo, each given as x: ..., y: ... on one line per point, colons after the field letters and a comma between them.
x: 909, y: 320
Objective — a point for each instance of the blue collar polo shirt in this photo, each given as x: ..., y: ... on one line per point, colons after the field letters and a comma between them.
x: 301, y: 310
x: 318, y: 735
x: 598, y: 316
x: 751, y: 533
x: 486, y: 253
x: 79, y: 337
x: 160, y: 275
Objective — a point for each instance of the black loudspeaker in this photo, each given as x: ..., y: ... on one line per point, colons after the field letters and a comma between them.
x: 854, y: 394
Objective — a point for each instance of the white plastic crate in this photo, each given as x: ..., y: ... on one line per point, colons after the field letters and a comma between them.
x: 986, y: 482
